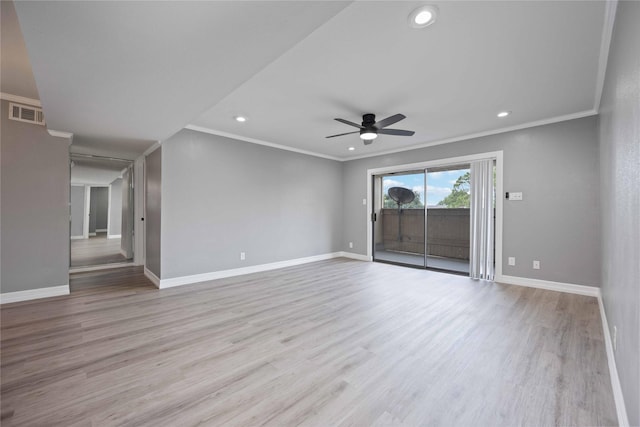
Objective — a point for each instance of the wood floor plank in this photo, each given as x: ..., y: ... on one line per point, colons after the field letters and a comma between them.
x: 336, y: 342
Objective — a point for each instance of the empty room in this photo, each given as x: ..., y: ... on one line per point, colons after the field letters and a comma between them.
x: 320, y: 213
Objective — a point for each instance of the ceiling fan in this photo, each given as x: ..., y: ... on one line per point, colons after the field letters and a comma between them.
x: 370, y: 129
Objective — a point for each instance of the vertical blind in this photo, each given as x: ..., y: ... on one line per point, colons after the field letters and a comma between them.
x: 482, y: 233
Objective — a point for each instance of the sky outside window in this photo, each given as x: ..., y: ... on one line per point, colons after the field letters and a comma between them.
x: 440, y: 184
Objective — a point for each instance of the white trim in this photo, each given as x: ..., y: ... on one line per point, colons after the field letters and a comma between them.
x: 20, y: 99
x: 542, y: 122
x: 591, y: 291
x: 154, y: 279
x: 60, y: 134
x: 610, y: 7
x: 99, y: 267
x: 108, y: 211
x: 570, y: 288
x: 53, y: 291
x: 496, y: 155
x: 139, y: 194
x: 358, y: 257
x: 618, y: 397
x: 261, y: 142
x: 114, y: 236
x: 101, y: 230
x: 92, y: 234
x: 151, y: 149
x: 548, y: 121
x: 77, y: 237
x: 87, y: 209
x: 196, y: 278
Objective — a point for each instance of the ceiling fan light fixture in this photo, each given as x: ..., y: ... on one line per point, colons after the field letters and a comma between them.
x: 368, y: 135
x: 423, y: 16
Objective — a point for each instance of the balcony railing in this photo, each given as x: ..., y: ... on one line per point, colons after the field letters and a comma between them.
x: 447, y: 232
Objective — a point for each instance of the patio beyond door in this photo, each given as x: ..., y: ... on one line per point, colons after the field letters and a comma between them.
x: 422, y: 218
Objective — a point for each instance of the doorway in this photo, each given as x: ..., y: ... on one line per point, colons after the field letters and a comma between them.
x: 101, y: 211
x: 421, y: 215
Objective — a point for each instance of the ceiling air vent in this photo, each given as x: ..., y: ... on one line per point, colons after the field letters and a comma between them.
x: 24, y: 113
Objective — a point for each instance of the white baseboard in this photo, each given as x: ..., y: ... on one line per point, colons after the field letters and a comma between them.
x: 114, y: 236
x: 101, y: 230
x: 618, y: 397
x: 77, y: 237
x: 53, y: 291
x: 92, y: 234
x: 154, y: 279
x: 570, y: 288
x: 196, y: 278
x: 355, y: 256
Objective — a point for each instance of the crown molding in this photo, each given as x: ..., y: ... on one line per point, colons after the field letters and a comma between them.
x: 20, y: 99
x: 60, y: 134
x: 610, y: 8
x: 152, y: 148
x: 543, y: 122
x: 261, y: 142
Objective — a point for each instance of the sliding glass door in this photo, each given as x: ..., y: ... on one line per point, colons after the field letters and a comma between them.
x: 422, y: 218
x: 398, y: 218
x: 448, y: 218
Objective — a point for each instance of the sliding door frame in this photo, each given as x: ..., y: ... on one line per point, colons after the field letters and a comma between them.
x: 450, y: 161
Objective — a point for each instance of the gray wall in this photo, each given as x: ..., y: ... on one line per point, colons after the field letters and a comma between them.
x: 77, y: 210
x: 115, y: 208
x: 34, y: 208
x: 222, y: 196
x: 557, y: 223
x: 98, y: 209
x: 153, y: 213
x: 620, y: 182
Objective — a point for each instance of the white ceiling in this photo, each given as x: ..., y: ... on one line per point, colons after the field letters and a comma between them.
x: 95, y: 171
x: 15, y: 68
x: 124, y: 71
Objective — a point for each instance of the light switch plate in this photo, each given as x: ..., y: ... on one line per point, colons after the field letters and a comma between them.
x: 515, y: 196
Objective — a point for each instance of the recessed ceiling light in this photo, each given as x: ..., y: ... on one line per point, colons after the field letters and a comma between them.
x: 352, y: 148
x: 423, y: 16
x: 502, y: 114
x: 240, y: 119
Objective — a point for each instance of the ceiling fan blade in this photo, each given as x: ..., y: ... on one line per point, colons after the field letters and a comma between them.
x: 347, y: 122
x: 341, y: 134
x: 398, y: 132
x: 389, y: 121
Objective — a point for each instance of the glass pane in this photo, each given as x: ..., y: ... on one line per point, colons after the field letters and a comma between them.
x: 448, y: 218
x: 399, y: 226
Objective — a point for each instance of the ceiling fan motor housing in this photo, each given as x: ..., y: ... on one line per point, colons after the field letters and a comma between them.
x: 368, y: 120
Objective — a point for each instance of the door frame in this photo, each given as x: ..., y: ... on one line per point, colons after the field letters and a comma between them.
x: 449, y: 161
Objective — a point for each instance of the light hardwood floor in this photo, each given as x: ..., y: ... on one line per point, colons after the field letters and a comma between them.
x: 337, y: 342
x: 96, y: 250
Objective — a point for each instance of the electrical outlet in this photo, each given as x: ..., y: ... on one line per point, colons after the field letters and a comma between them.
x: 512, y: 260
x: 351, y: 245
x: 242, y: 256
x: 536, y: 265
x: 615, y: 338
x: 364, y: 202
